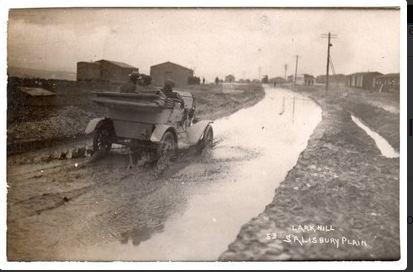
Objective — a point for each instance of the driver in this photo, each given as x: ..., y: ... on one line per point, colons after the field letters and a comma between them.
x: 169, y: 93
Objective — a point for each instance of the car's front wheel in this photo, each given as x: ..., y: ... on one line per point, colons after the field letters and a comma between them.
x: 206, y: 142
x: 167, y: 152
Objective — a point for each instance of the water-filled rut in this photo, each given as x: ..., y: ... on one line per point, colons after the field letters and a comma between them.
x: 255, y: 149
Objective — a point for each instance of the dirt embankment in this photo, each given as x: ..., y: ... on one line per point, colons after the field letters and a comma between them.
x: 379, y: 111
x: 64, y: 117
x: 341, y: 186
x: 72, y: 109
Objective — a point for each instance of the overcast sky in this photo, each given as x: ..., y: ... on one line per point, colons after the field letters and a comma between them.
x: 210, y: 41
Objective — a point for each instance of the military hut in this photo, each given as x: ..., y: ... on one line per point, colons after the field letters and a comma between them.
x: 304, y: 79
x: 388, y: 83
x: 104, y: 71
x: 229, y: 78
x: 172, y: 71
x: 337, y: 78
x: 364, y: 80
x: 278, y: 80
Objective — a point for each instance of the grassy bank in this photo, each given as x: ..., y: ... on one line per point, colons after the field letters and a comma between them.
x: 340, y: 182
x: 218, y: 100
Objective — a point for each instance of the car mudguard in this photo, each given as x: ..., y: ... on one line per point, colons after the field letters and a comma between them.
x: 196, y: 131
x: 93, y: 124
x: 159, y: 131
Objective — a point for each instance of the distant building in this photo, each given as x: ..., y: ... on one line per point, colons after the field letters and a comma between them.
x: 265, y: 79
x: 304, y: 79
x: 168, y: 70
x: 338, y: 78
x: 364, y: 80
x: 278, y: 80
x: 290, y: 78
x: 387, y: 83
x: 230, y: 78
x: 104, y: 70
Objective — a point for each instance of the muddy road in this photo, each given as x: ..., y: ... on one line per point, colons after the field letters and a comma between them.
x: 68, y: 210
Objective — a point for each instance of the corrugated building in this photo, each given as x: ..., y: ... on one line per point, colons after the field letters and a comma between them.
x: 172, y: 71
x: 337, y: 78
x: 104, y: 70
x: 230, y: 78
x: 364, y: 80
x: 278, y: 80
x: 388, y: 83
x: 304, y: 79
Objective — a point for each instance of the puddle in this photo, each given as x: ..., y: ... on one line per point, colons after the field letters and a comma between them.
x: 232, y: 153
x: 385, y: 148
x: 389, y: 108
x: 258, y: 147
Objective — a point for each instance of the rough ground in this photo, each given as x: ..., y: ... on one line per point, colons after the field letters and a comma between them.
x: 340, y: 181
x: 61, y: 204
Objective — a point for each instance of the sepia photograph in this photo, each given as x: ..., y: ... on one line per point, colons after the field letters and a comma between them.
x: 205, y: 134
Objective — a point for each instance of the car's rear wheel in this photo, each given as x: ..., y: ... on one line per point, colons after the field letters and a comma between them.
x: 102, y: 142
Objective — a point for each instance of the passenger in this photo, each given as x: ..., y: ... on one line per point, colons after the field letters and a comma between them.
x: 130, y: 86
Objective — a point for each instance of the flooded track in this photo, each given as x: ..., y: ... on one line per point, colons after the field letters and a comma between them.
x: 255, y: 149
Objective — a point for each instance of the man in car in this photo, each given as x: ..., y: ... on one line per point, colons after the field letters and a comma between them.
x: 130, y: 86
x: 169, y: 93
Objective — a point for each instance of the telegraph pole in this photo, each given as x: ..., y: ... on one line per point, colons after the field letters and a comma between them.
x: 296, y: 65
x: 328, y: 59
x: 285, y: 71
x: 329, y: 36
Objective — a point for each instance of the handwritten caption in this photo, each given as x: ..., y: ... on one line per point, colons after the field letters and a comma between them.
x: 302, y: 235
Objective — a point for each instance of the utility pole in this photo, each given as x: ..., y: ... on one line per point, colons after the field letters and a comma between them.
x: 296, y: 66
x: 285, y: 71
x: 328, y: 60
x: 329, y: 44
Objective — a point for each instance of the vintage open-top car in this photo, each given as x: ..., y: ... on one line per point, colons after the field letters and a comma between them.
x: 149, y: 122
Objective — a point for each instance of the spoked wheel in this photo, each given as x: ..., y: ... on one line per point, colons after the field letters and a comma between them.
x: 102, y: 142
x: 166, y: 152
x: 205, y: 144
